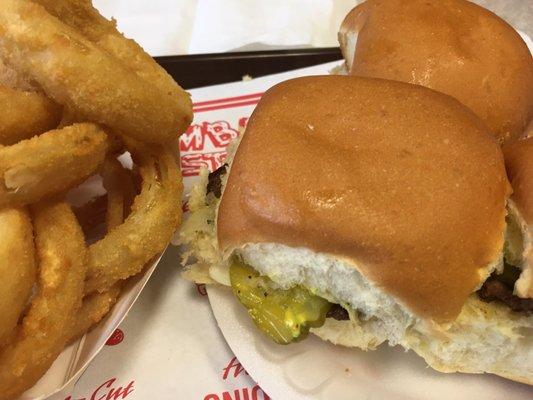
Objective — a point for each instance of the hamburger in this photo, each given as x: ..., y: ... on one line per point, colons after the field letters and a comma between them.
x: 453, y: 46
x: 368, y: 211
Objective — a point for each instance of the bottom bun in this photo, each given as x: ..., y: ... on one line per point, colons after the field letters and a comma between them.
x: 480, y: 341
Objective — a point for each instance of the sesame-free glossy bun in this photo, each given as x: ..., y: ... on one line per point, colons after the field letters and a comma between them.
x: 404, y: 183
x: 453, y: 46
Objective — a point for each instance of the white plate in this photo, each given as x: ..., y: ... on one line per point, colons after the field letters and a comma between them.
x: 313, y: 369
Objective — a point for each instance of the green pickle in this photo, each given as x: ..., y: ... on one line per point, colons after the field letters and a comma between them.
x: 284, y: 315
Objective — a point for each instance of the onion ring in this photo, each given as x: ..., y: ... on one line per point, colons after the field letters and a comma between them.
x: 17, y: 267
x: 12, y: 79
x: 25, y: 114
x: 95, y: 307
x: 25, y: 111
x: 83, y: 17
x: 44, y: 330
x: 50, y: 163
x: 77, y: 73
x: 156, y: 213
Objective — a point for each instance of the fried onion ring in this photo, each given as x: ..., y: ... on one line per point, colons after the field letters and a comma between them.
x: 95, y: 307
x: 83, y: 17
x: 50, y: 163
x: 79, y: 74
x: 25, y: 114
x: 44, y: 330
x: 12, y: 79
x: 156, y: 213
x: 25, y: 110
x: 17, y: 267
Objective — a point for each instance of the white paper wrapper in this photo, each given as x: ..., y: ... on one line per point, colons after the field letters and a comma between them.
x: 256, y: 25
x: 169, y: 27
x: 161, y: 27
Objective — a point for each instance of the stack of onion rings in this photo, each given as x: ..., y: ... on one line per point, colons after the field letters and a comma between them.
x: 76, y: 95
x: 43, y: 332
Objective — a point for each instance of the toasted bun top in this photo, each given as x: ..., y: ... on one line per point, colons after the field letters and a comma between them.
x: 519, y: 165
x: 453, y: 46
x: 403, y: 182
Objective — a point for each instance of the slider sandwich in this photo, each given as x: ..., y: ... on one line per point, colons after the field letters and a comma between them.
x: 452, y: 46
x: 368, y: 211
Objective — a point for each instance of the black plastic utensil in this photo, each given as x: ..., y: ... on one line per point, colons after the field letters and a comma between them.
x: 193, y: 71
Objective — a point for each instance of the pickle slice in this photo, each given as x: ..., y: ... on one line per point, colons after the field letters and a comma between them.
x: 284, y: 315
